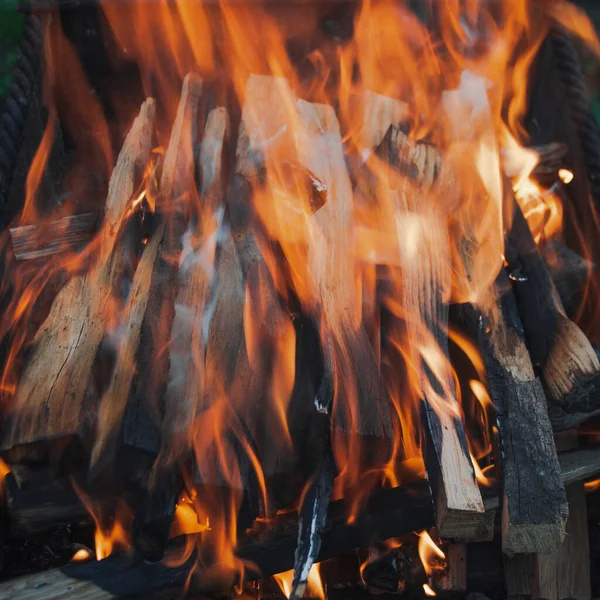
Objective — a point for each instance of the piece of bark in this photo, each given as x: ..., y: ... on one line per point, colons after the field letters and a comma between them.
x: 566, y: 573
x: 534, y: 506
x: 145, y: 410
x: 387, y: 513
x: 50, y: 400
x: 569, y: 365
x: 424, y: 249
x: 69, y: 233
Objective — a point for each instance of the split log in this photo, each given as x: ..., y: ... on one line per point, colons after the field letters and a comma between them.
x: 176, y: 179
x: 387, y: 513
x: 569, y: 365
x: 423, y: 259
x: 69, y: 233
x: 453, y: 581
x: 534, y: 504
x: 53, y: 396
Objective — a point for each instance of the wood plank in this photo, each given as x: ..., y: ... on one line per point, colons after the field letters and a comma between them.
x: 52, y: 395
x: 566, y: 573
x: 68, y: 233
x: 423, y: 243
x: 534, y: 504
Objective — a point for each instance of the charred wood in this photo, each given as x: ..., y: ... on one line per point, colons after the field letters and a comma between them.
x: 534, y: 504
x: 387, y: 513
x: 569, y: 366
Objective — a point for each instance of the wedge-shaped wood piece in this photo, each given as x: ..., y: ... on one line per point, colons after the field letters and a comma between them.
x: 569, y: 365
x: 145, y: 411
x: 176, y: 179
x: 422, y: 238
x: 186, y: 385
x: 36, y: 241
x: 50, y: 400
x: 534, y: 506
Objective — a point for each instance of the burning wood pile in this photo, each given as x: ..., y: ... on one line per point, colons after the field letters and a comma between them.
x: 338, y: 292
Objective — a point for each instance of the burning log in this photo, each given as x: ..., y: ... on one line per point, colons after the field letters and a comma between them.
x: 534, y: 507
x: 425, y: 272
x: 53, y: 390
x: 568, y: 362
x: 387, y: 513
x: 35, y: 241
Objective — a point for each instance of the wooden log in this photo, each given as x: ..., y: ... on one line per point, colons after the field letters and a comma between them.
x: 68, y: 233
x: 423, y: 243
x: 453, y: 581
x: 144, y: 412
x: 53, y: 395
x: 177, y: 176
x: 387, y: 513
x: 566, y: 573
x: 185, y: 386
x: 569, y: 365
x: 534, y: 503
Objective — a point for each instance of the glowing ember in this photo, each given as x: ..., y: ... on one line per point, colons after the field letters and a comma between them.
x: 565, y: 175
x: 428, y: 590
x: 81, y: 555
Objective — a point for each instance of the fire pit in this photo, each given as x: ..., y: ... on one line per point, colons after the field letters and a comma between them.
x: 301, y: 286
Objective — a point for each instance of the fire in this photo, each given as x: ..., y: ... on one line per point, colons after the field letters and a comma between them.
x: 314, y: 589
x: 431, y: 555
x: 592, y: 486
x: 428, y: 590
x: 367, y: 193
x: 81, y: 555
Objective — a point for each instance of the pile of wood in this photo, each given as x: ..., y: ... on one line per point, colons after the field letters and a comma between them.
x: 116, y: 416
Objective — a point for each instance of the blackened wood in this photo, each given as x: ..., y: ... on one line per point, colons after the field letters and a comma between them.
x: 68, y: 233
x: 387, y: 513
x: 534, y: 506
x: 580, y: 464
x: 569, y: 366
x: 54, y: 389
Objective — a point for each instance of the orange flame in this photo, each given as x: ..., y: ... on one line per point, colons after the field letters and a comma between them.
x: 314, y: 588
x: 431, y: 555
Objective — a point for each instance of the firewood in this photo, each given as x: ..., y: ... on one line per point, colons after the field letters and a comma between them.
x: 143, y: 413
x: 566, y: 573
x: 176, y: 178
x: 425, y: 272
x: 453, y: 581
x: 534, y: 507
x: 568, y: 363
x: 36, y: 241
x: 387, y: 513
x: 53, y: 393
x: 185, y: 385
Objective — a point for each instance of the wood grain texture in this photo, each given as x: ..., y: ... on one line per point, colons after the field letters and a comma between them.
x: 51, y: 396
x: 36, y: 241
x: 421, y: 230
x: 566, y: 573
x: 534, y: 506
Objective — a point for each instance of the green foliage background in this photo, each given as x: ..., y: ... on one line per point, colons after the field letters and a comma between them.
x: 11, y: 28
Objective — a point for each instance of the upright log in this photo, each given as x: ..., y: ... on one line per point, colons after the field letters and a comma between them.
x: 423, y: 251
x: 534, y: 503
x: 54, y: 398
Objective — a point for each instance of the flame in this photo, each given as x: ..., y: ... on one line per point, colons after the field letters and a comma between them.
x: 431, y: 555
x: 315, y: 584
x: 428, y: 590
x: 81, y: 555
x: 376, y: 167
x: 592, y: 486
